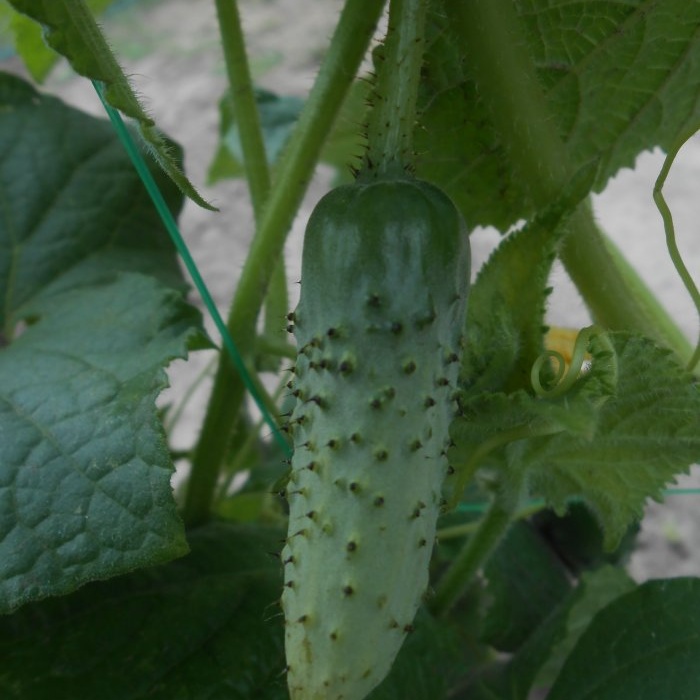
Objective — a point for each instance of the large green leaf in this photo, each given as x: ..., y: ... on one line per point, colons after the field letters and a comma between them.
x: 84, y: 468
x: 72, y: 209
x: 71, y: 30
x: 617, y: 78
x: 205, y: 626
x: 643, y: 646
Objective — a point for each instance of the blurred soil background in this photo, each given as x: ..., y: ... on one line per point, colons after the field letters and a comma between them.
x: 170, y: 48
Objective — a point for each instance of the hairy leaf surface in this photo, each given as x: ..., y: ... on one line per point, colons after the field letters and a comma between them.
x: 617, y: 78
x: 84, y: 469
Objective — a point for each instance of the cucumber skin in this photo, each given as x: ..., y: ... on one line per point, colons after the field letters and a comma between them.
x: 385, y: 274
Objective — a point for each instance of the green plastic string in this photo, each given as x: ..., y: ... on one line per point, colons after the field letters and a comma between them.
x: 481, y: 507
x: 172, y: 228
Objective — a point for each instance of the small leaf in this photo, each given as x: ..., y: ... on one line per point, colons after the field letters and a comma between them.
x: 505, y: 315
x: 642, y: 646
x: 596, y: 589
x: 647, y: 433
x: 278, y: 115
x: 71, y: 30
x: 612, y: 451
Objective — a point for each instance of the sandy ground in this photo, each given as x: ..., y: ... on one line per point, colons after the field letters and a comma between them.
x: 171, y: 49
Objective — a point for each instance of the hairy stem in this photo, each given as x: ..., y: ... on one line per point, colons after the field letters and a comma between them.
x: 349, y: 44
x: 617, y: 297
x: 507, y: 81
x: 393, y: 115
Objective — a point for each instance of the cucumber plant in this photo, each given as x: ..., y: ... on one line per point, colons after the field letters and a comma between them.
x: 446, y: 493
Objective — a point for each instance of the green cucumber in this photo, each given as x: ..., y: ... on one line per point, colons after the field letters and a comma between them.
x: 385, y: 274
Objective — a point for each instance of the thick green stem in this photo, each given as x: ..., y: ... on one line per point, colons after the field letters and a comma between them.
x: 614, y: 292
x: 476, y: 551
x: 507, y: 82
x: 349, y: 44
x: 393, y: 116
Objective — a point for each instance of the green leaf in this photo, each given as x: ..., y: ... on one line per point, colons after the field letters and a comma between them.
x: 29, y: 41
x: 546, y: 649
x: 647, y: 433
x: 505, y: 314
x: 427, y: 664
x: 278, y: 115
x: 71, y: 30
x: 492, y: 429
x: 85, y: 468
x: 524, y: 581
x: 642, y: 646
x: 205, y: 626
x: 596, y: 589
x: 79, y: 213
x: 617, y: 78
x: 612, y: 451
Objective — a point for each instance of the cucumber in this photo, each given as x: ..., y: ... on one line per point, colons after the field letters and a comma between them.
x: 385, y: 274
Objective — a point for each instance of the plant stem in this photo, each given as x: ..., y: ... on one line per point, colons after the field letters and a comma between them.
x: 245, y: 108
x: 507, y: 81
x: 615, y: 294
x: 476, y: 551
x: 353, y: 33
x: 273, y: 346
x: 459, y: 531
x: 393, y: 115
